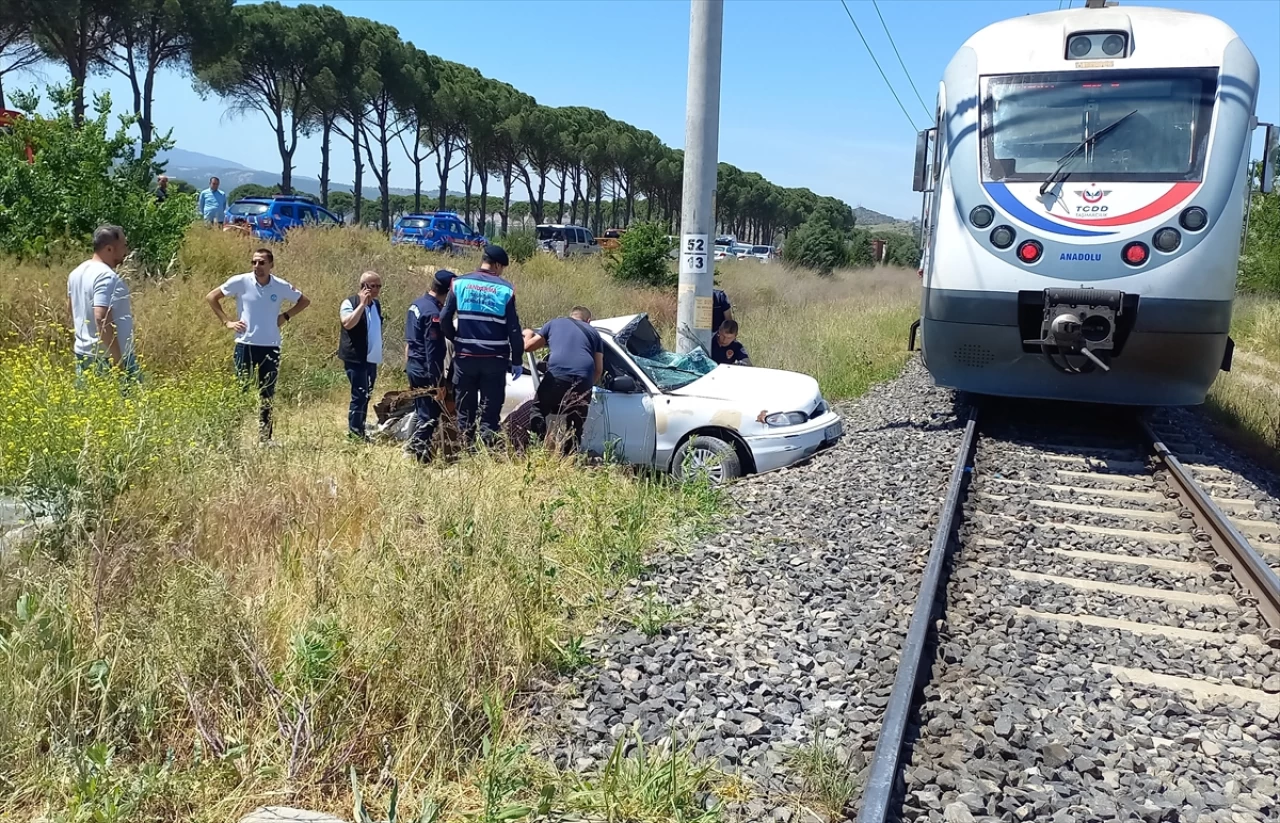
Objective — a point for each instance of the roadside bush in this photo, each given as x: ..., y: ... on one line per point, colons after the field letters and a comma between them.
x: 817, y: 245
x: 644, y: 256
x: 81, y: 178
x: 1260, y: 262
x: 69, y: 443
x: 520, y: 245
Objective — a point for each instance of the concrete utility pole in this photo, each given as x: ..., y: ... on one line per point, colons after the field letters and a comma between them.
x: 701, y: 143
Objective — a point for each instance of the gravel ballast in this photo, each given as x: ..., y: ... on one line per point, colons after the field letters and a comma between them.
x: 1026, y: 717
x: 784, y: 626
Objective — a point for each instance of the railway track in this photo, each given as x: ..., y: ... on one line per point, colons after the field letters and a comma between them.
x: 1109, y: 647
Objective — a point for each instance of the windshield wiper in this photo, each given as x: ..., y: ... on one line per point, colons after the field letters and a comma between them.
x: 1071, y: 155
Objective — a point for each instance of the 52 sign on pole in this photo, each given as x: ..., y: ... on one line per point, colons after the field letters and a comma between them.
x: 693, y: 254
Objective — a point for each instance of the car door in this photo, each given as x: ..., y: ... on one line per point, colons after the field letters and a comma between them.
x: 286, y: 217
x: 621, y: 425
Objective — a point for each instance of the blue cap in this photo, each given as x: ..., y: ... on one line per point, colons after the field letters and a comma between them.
x: 444, y: 278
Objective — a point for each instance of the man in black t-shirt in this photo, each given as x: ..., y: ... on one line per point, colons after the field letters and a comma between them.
x: 575, y: 364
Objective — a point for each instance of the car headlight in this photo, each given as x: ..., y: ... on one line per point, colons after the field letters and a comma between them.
x: 785, y: 418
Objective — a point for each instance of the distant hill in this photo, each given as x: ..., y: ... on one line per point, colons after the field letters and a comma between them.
x: 197, y: 168
x: 870, y: 217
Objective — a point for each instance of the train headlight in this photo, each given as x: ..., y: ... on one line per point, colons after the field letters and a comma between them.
x: 1080, y: 46
x: 1194, y: 218
x: 1136, y: 253
x: 1113, y: 45
x: 981, y: 216
x: 1167, y: 240
x: 1002, y: 237
x: 1030, y: 251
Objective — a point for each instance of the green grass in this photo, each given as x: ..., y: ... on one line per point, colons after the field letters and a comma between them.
x: 826, y: 781
x: 1247, y: 399
x: 222, y: 626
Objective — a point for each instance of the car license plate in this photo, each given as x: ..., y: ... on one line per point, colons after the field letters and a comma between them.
x: 833, y: 431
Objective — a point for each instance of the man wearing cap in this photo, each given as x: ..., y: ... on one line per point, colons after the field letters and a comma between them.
x: 424, y: 352
x: 487, y: 342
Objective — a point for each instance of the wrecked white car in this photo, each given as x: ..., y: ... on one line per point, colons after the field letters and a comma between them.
x: 684, y: 414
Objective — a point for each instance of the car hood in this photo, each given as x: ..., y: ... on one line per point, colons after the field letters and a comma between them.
x: 769, y: 389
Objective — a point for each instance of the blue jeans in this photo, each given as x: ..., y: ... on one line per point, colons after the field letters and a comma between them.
x: 362, y: 376
x: 99, y: 364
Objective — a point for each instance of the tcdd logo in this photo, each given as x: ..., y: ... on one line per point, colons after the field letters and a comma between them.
x: 1093, y: 196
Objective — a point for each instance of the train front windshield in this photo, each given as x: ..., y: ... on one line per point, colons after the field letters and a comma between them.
x: 1031, y: 121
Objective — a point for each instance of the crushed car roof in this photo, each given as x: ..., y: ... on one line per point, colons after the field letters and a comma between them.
x: 614, y: 324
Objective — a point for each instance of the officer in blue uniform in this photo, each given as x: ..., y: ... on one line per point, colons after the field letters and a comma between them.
x: 487, y: 343
x: 725, y: 347
x: 424, y: 354
x: 721, y: 309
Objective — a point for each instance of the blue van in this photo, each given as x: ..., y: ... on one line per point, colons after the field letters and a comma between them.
x: 435, y: 230
x: 270, y: 218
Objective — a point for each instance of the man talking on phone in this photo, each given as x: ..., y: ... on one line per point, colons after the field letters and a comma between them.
x: 360, y: 348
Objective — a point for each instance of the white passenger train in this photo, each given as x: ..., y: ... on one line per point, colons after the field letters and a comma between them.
x: 1087, y: 185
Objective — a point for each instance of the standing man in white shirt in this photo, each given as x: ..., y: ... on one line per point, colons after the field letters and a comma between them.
x: 260, y: 298
x: 101, y: 307
x: 360, y: 348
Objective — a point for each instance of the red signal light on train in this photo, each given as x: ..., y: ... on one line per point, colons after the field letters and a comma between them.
x: 1135, y: 254
x: 1030, y: 251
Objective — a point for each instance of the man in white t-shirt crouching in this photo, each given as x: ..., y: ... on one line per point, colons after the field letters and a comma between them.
x: 101, y: 308
x: 260, y: 298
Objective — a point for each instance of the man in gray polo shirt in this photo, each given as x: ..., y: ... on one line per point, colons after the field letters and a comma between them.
x: 101, y: 307
x: 260, y: 297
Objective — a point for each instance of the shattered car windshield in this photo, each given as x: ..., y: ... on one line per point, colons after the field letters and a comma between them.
x: 669, y: 371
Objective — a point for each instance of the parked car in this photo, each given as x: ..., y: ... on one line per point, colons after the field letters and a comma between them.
x: 566, y: 241
x: 436, y: 231
x: 686, y: 415
x: 761, y: 253
x: 611, y: 239
x: 270, y: 218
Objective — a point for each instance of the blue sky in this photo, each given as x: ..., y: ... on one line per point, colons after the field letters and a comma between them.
x: 801, y: 100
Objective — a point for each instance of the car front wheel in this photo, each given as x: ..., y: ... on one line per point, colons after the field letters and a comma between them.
x: 708, y: 457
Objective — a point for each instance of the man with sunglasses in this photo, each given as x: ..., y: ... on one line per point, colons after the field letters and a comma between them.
x: 260, y: 297
x: 360, y: 348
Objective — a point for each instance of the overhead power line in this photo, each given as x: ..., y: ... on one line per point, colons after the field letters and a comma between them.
x: 927, y: 114
x: 877, y: 62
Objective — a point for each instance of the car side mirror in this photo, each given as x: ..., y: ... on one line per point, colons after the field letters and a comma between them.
x: 623, y: 384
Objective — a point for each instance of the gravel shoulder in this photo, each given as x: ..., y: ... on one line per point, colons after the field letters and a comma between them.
x: 782, y: 631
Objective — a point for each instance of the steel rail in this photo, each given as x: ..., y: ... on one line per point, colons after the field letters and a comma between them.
x: 1247, y: 567
x: 885, y: 764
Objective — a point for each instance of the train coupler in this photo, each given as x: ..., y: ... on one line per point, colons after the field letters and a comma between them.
x: 1079, y: 322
